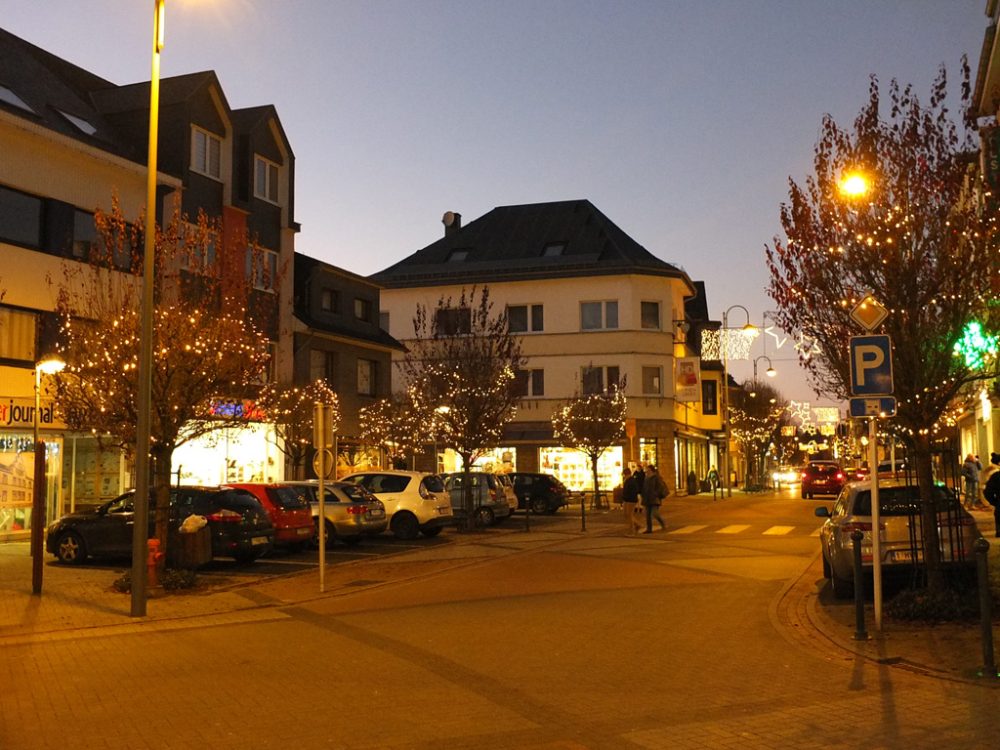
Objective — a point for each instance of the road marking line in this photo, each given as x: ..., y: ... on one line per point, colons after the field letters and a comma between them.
x: 779, y: 530
x: 732, y: 529
x: 816, y: 533
x: 687, y: 529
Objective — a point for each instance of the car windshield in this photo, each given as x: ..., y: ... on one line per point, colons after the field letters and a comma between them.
x: 902, y: 501
x: 287, y: 498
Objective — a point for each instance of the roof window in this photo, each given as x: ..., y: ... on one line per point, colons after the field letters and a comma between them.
x: 553, y: 249
x: 458, y: 255
x: 8, y: 96
x: 79, y: 123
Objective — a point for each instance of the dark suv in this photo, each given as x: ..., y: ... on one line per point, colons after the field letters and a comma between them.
x: 822, y: 478
x: 543, y: 493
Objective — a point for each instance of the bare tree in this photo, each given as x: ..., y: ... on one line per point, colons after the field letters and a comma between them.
x: 460, y: 369
x: 592, y: 423
x: 919, y: 242
x: 207, y: 349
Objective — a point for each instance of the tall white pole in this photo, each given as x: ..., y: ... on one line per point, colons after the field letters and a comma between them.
x: 876, y: 523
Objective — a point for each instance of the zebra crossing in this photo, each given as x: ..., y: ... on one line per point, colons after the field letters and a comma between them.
x: 744, y: 529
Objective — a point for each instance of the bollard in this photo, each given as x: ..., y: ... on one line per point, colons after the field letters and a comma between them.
x: 860, y: 633
x: 985, y: 607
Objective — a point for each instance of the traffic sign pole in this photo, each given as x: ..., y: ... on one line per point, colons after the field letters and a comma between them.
x: 876, y: 523
x: 320, y: 432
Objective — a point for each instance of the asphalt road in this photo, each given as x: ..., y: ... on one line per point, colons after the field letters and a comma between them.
x: 504, y: 639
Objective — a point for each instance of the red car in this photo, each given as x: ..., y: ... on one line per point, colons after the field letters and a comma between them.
x: 290, y: 512
x: 822, y: 478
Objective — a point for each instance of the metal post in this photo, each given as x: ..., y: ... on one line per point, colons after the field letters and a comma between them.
x: 876, y: 524
x: 38, y: 514
x: 860, y: 633
x: 319, y: 416
x: 725, y: 404
x: 985, y: 607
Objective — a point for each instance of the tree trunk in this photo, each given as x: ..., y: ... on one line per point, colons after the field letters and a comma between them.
x: 597, y: 488
x: 161, y: 459
x: 467, y: 500
x: 928, y: 513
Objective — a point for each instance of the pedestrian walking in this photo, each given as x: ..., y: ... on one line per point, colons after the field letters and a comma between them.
x: 654, y: 489
x: 630, y: 500
x: 971, y: 470
x: 991, y: 489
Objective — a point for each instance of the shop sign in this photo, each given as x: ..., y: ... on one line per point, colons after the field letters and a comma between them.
x: 20, y: 412
x: 245, y: 410
x: 687, y: 382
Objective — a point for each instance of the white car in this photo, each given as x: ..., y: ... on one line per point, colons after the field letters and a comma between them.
x: 415, y: 501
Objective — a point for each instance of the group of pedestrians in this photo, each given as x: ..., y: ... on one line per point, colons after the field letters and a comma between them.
x: 643, y: 491
x: 989, y: 480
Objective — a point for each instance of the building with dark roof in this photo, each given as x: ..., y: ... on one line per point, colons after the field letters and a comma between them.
x: 593, y: 307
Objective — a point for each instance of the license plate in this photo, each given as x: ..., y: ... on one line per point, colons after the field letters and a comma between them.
x: 302, y: 532
x: 259, y: 540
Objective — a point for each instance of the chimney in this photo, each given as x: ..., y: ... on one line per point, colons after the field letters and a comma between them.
x: 452, y: 222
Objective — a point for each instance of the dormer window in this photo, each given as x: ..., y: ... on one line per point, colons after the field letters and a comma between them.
x: 265, y: 183
x: 457, y: 255
x: 553, y: 249
x: 9, y: 97
x: 79, y: 123
x: 206, y: 153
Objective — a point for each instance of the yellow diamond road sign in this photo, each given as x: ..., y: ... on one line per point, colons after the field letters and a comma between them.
x: 869, y: 313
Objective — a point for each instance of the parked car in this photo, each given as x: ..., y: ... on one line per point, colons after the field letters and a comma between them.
x: 855, y: 473
x: 821, y: 478
x: 415, y: 501
x: 351, y: 511
x: 543, y: 493
x: 239, y: 525
x: 899, y: 530
x: 289, y: 511
x: 489, y: 497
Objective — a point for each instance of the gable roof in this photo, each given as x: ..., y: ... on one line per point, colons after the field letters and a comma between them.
x: 510, y: 243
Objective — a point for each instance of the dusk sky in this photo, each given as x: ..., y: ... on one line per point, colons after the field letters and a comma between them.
x: 681, y: 120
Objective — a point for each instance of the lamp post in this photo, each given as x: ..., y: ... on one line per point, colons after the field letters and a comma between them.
x: 140, y: 531
x: 770, y: 372
x: 726, y: 484
x: 48, y: 366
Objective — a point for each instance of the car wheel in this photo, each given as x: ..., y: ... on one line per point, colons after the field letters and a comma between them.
x: 330, y: 535
x: 433, y: 531
x: 842, y: 588
x: 539, y: 506
x: 70, y: 549
x: 484, y: 516
x: 404, y: 526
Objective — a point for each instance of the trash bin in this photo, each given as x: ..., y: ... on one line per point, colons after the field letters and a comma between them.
x: 190, y: 549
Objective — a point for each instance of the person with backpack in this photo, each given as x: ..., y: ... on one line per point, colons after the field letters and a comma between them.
x: 654, y: 489
x: 991, y: 489
x: 630, y: 496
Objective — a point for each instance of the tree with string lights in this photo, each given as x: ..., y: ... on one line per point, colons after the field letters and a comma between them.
x: 394, y: 426
x: 460, y: 369
x: 208, y: 350
x: 918, y: 241
x: 591, y: 423
x: 291, y: 409
x: 756, y: 414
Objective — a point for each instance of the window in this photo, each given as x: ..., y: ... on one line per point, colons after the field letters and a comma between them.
x: 452, y: 321
x: 20, y: 218
x: 366, y: 377
x: 262, y: 268
x: 524, y: 318
x: 322, y: 365
x: 206, y: 153
x: 328, y: 300
x: 265, y: 183
x: 458, y: 255
x: 652, y: 380
x: 363, y: 309
x: 79, y: 123
x: 17, y: 334
x: 529, y: 383
x: 596, y: 316
x: 595, y: 378
x: 84, y: 234
x: 709, y: 397
x: 553, y: 249
x: 651, y: 315
x: 9, y: 97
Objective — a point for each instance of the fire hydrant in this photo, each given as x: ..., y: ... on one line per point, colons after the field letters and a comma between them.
x: 153, y: 559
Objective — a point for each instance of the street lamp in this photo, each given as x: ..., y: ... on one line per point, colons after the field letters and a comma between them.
x: 770, y: 372
x: 48, y: 366
x: 750, y: 329
x: 140, y: 531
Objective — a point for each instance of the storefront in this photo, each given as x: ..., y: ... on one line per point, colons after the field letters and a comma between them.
x: 572, y: 467
x: 243, y: 452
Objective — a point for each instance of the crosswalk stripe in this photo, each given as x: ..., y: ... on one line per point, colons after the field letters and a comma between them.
x: 732, y: 529
x: 687, y: 529
x: 778, y: 530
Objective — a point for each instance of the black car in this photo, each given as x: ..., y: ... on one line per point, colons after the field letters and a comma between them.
x: 239, y: 525
x: 543, y: 493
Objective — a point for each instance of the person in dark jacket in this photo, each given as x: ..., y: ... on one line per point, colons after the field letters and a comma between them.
x: 630, y: 496
x: 991, y: 488
x: 654, y: 489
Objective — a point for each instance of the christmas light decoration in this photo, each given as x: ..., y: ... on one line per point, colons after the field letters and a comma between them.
x: 976, y: 347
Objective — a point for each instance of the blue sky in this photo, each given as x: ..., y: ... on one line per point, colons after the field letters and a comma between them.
x: 682, y: 120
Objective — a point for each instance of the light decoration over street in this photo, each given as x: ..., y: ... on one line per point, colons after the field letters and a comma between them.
x: 738, y: 343
x: 827, y: 414
x: 802, y: 411
x: 806, y: 346
x: 976, y: 346
x: 779, y: 340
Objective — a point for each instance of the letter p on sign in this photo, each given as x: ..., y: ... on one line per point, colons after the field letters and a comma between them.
x: 871, y: 366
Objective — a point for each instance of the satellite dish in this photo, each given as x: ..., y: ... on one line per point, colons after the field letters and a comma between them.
x: 449, y: 218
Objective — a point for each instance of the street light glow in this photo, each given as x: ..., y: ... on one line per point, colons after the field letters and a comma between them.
x: 853, y: 185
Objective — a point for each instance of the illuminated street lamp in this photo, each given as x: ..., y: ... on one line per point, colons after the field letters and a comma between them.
x: 770, y: 372
x: 46, y: 366
x: 749, y: 329
x: 140, y: 530
x: 853, y: 185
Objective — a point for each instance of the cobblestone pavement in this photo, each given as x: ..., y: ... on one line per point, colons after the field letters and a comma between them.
x: 552, y: 639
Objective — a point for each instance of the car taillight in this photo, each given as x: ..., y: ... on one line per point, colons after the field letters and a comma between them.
x: 225, y: 516
x: 840, y: 475
x: 357, y: 510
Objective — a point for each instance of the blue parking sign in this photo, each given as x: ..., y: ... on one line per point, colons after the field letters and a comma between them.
x: 871, y: 365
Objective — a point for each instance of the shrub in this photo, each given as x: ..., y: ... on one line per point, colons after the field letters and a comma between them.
x: 172, y: 579
x: 950, y: 605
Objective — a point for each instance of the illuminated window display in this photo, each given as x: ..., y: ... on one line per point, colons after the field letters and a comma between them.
x: 499, y: 461
x: 573, y: 467
x: 246, y: 453
x: 17, y: 466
